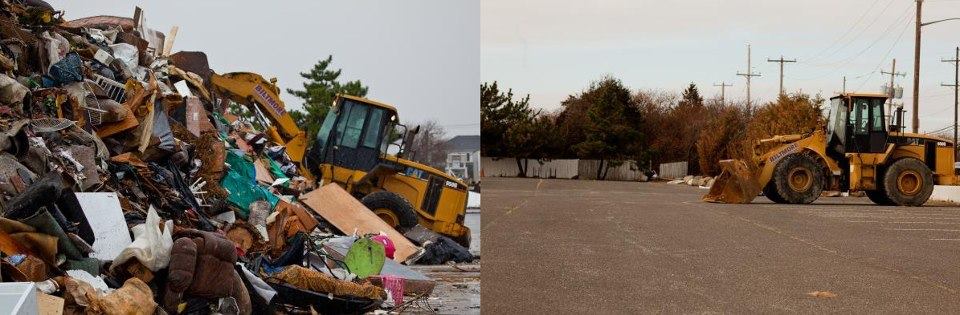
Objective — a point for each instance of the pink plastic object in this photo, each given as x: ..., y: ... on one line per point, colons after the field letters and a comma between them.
x: 394, y: 284
x: 388, y: 247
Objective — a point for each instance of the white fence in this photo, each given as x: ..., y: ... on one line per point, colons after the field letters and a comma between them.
x: 563, y: 168
x: 673, y: 170
x: 626, y: 171
x: 507, y: 167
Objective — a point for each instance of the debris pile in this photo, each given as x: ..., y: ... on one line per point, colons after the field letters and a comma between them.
x: 125, y: 187
x: 691, y: 180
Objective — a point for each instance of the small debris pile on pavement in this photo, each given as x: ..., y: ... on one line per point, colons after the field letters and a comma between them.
x: 125, y: 188
x: 701, y: 181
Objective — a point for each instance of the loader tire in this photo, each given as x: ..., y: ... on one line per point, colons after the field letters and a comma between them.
x: 771, y: 192
x: 908, y: 182
x: 392, y: 209
x: 798, y: 179
x: 879, y: 197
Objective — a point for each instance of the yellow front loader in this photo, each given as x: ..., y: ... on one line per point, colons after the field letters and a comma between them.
x: 351, y: 150
x: 856, y: 151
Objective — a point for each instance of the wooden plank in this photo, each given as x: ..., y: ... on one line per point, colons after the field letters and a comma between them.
x: 346, y: 213
x: 168, y: 44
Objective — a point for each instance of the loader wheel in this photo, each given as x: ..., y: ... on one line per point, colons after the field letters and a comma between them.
x: 908, y: 182
x: 392, y: 209
x: 798, y: 179
x: 879, y: 197
x: 771, y: 192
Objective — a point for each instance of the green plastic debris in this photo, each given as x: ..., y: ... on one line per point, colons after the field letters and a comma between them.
x: 275, y: 170
x: 365, y: 258
x: 241, y: 182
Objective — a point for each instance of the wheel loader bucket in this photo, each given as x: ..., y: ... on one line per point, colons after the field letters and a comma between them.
x: 736, y: 184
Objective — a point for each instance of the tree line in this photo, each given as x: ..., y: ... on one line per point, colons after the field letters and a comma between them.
x: 614, y: 124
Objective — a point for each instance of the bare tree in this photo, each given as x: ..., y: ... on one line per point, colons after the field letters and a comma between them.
x: 429, y: 146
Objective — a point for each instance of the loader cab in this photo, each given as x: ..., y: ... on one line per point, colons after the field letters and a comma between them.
x: 856, y: 124
x: 355, y: 133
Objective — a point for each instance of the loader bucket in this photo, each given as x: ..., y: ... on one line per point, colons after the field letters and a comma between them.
x: 736, y: 184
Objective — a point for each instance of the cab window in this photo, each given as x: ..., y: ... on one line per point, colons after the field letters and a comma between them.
x: 324, y: 133
x: 860, y: 116
x: 876, y: 114
x: 352, y: 126
x: 373, y: 128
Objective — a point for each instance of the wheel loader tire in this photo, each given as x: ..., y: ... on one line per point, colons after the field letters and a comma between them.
x: 392, y: 208
x: 771, y: 192
x: 798, y: 179
x: 879, y: 197
x: 908, y: 182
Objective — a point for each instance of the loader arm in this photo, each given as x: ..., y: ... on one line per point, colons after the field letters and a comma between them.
x: 251, y: 88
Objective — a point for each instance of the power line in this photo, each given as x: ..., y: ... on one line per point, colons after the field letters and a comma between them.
x: 853, y: 39
x: 887, y: 55
x: 844, y: 62
x: 939, y: 130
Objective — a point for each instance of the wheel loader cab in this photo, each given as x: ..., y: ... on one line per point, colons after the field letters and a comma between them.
x: 353, y: 135
x: 856, y: 125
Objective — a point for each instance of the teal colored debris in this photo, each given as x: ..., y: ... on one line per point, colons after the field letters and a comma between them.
x: 241, y: 181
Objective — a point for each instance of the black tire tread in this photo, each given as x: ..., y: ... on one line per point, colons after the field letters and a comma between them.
x: 770, y: 191
x: 890, y: 182
x: 396, y: 203
x: 780, y: 180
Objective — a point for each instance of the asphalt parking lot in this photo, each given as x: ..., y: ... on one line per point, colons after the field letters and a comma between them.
x: 625, y: 247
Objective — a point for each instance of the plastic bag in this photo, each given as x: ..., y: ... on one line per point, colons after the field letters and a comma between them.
x: 127, y: 54
x: 69, y: 69
x: 150, y: 246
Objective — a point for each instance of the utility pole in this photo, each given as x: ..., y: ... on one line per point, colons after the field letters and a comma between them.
x: 781, y: 61
x: 844, y: 84
x: 893, y: 74
x: 723, y: 91
x: 956, y: 94
x: 749, y: 74
x: 916, y: 70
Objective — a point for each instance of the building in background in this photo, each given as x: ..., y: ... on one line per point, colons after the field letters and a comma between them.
x: 463, y: 158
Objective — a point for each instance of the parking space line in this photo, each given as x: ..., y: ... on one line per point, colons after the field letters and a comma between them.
x: 900, y: 222
x: 939, y: 230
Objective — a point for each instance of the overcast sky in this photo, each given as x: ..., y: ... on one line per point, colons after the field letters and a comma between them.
x: 551, y: 49
x: 420, y: 55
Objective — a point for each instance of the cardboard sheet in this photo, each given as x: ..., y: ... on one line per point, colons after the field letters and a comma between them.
x: 349, y: 215
x: 103, y: 211
x: 49, y: 304
x: 263, y: 174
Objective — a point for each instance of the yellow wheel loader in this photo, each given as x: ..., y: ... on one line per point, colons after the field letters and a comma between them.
x: 855, y: 151
x: 351, y: 150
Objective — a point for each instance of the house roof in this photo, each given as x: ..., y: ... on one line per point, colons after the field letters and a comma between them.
x: 463, y: 143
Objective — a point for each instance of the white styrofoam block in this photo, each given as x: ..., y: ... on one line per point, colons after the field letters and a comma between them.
x: 946, y: 193
x: 18, y: 298
x: 473, y: 200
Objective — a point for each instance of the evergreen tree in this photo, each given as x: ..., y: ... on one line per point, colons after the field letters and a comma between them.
x: 318, y: 93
